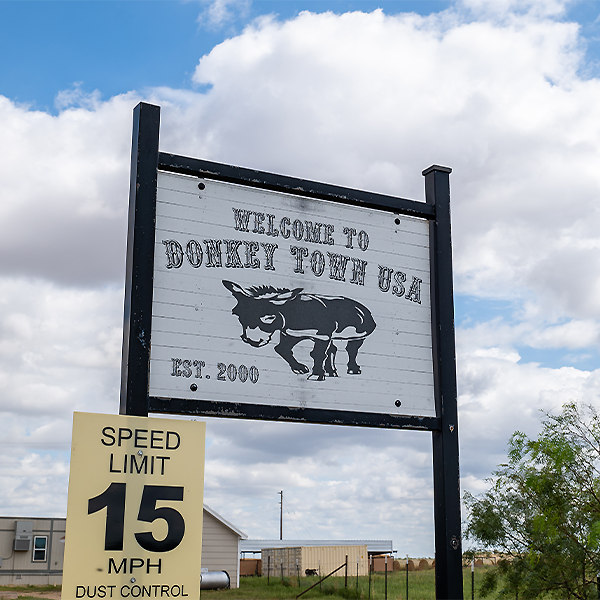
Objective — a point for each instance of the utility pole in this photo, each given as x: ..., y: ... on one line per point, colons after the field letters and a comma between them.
x: 281, y: 516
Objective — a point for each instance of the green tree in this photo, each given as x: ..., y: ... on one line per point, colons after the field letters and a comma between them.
x: 542, y: 511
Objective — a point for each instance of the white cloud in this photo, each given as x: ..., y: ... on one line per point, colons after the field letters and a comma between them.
x: 534, y: 333
x: 357, y: 99
x: 60, y: 348
x: 65, y: 185
x: 42, y: 474
x: 77, y: 98
x: 369, y: 100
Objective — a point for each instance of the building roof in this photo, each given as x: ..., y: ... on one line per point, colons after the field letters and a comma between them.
x: 373, y: 546
x: 227, y: 524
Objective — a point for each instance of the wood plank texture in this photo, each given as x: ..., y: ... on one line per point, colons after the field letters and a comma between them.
x: 335, y: 270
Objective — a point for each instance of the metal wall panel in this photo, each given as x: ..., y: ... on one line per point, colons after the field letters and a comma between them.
x: 329, y: 558
x: 293, y: 562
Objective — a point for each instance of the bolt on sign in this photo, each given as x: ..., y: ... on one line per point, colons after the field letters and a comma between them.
x: 134, y: 515
x: 260, y: 296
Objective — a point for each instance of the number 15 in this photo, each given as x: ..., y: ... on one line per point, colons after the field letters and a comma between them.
x: 113, y: 499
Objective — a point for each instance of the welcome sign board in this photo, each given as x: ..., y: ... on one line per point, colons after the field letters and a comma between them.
x: 275, y: 299
x: 254, y: 295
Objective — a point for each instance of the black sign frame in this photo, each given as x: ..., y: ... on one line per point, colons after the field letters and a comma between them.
x: 146, y: 161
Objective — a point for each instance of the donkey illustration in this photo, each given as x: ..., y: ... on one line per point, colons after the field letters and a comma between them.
x: 297, y: 316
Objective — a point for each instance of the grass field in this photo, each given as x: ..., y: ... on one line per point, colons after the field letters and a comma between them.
x: 421, y: 586
x: 23, y: 591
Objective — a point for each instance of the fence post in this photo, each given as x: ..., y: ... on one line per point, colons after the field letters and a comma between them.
x: 326, y: 577
x: 407, y: 577
x: 346, y: 573
x: 386, y: 576
x: 370, y: 570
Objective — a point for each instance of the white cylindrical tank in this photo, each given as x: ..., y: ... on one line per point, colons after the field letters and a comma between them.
x: 214, y: 580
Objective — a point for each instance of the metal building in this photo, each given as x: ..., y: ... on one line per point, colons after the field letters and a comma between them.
x: 254, y: 546
x: 315, y: 560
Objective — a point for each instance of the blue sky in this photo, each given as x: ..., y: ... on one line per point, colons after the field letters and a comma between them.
x: 507, y: 93
x: 115, y: 46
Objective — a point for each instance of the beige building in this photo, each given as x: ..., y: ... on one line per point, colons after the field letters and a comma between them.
x: 32, y: 550
x: 221, y: 545
x: 316, y: 560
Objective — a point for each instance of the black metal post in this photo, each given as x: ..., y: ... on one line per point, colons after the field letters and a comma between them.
x: 407, y: 577
x: 269, y: 570
x: 357, y: 573
x: 473, y: 579
x: 140, y: 261
x: 370, y: 570
x: 446, y: 484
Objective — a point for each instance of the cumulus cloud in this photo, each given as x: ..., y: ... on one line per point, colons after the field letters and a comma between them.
x: 60, y: 347
x: 60, y: 350
x: 359, y: 99
x: 27, y: 484
x: 369, y: 100
x: 64, y: 191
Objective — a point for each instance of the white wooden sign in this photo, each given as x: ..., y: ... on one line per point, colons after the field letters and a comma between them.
x: 268, y: 298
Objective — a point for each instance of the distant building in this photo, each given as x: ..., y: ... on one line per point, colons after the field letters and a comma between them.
x: 32, y: 549
x: 289, y: 558
x: 250, y: 547
x: 300, y: 561
x: 221, y: 545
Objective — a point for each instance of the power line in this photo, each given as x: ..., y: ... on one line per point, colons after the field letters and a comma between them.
x: 310, y: 537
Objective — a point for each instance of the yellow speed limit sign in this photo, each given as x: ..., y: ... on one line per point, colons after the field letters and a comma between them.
x: 134, y: 515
